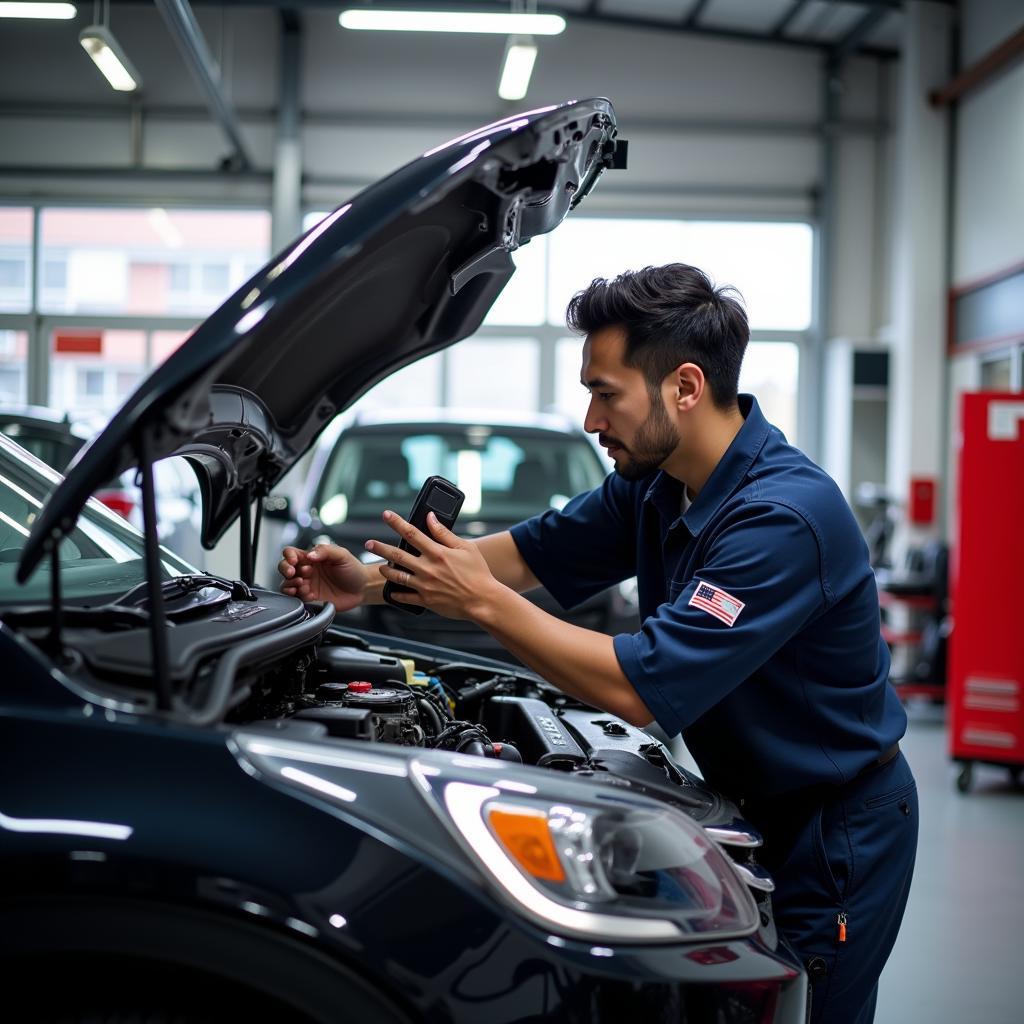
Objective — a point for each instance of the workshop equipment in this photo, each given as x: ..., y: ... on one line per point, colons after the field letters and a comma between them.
x: 986, y: 677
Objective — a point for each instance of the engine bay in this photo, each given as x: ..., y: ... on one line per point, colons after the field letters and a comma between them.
x: 369, y: 687
x: 260, y: 659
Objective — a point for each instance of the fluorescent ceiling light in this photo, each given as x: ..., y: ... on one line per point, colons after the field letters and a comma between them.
x: 106, y: 52
x: 54, y: 12
x: 520, y: 54
x: 452, y: 21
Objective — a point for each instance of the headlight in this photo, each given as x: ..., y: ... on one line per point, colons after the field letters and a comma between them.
x: 600, y: 869
x: 578, y: 860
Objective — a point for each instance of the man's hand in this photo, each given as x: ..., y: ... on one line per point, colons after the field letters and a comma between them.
x: 450, y: 575
x: 324, y: 573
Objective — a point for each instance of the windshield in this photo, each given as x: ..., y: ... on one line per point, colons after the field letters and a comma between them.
x: 101, y: 558
x: 506, y: 474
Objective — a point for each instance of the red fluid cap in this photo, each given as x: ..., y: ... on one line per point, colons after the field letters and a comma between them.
x: 360, y: 687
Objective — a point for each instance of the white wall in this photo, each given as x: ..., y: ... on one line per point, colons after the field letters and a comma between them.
x: 988, y: 233
x: 988, y: 188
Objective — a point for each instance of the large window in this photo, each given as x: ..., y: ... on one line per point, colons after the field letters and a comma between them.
x: 92, y: 371
x: 15, y: 259
x: 769, y: 263
x: 13, y: 359
x: 147, y: 261
x: 522, y: 358
x: 495, y: 373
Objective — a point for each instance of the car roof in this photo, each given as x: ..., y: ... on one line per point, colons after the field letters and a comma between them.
x: 465, y: 417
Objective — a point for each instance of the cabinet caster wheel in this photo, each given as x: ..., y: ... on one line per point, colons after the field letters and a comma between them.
x: 964, y: 777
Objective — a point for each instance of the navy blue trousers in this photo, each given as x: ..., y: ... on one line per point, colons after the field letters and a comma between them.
x: 845, y: 857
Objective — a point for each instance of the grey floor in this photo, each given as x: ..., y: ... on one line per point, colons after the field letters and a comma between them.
x: 960, y: 955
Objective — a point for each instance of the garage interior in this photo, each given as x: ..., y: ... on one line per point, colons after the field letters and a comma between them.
x: 854, y: 168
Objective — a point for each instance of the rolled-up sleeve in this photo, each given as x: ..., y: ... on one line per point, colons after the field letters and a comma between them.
x: 589, y: 545
x: 766, y: 561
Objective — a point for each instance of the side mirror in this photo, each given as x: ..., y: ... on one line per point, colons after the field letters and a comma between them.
x: 277, y: 507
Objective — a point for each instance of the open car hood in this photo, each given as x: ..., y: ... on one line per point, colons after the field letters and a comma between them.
x: 409, y: 266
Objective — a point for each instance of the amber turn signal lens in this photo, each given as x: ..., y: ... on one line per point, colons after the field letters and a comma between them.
x: 525, y: 835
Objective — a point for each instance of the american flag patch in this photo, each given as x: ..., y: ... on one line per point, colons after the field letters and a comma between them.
x: 717, y: 602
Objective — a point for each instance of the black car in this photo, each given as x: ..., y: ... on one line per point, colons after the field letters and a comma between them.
x: 509, y: 468
x: 214, y: 800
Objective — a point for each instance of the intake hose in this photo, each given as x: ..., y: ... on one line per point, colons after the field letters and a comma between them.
x: 429, y: 712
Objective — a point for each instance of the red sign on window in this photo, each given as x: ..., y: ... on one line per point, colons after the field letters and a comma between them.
x: 79, y: 342
x: 922, y: 501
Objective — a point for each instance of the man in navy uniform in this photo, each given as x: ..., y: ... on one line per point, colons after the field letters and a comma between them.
x: 760, y: 640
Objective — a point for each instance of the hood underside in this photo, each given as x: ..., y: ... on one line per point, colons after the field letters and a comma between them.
x: 409, y: 266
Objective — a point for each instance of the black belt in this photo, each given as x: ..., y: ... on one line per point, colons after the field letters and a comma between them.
x: 884, y: 758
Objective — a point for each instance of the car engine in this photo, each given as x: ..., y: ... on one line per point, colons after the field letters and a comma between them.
x: 355, y: 689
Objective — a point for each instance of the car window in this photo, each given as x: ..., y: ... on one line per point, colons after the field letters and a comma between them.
x: 506, y: 475
x: 101, y: 558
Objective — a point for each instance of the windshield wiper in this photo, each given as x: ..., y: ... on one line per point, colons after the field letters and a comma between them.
x: 178, y: 586
x: 128, y: 611
x: 101, y: 616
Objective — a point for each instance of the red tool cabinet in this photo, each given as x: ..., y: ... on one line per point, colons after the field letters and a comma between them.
x: 986, y: 677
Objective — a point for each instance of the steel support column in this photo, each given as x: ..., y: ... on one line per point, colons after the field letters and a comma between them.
x: 286, y: 209
x: 811, y: 406
x: 37, y: 372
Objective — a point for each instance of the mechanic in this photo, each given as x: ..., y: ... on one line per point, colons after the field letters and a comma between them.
x: 760, y: 640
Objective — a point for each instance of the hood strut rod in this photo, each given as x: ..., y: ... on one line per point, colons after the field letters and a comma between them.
x: 246, y: 556
x: 157, y: 614
x: 57, y: 622
x: 249, y: 528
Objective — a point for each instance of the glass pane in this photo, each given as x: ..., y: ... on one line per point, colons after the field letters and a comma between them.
x: 769, y: 372
x: 997, y: 374
x: 584, y: 249
x: 506, y: 474
x: 414, y: 386
x: 148, y: 261
x: 494, y: 373
x: 571, y: 398
x: 522, y: 301
x: 100, y: 558
x: 15, y: 259
x: 165, y: 342
x: 769, y: 263
x: 13, y: 360
x: 93, y: 370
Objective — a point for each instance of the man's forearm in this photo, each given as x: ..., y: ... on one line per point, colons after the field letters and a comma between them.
x: 579, y: 661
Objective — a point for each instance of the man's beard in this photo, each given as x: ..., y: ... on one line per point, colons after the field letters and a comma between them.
x: 654, y: 442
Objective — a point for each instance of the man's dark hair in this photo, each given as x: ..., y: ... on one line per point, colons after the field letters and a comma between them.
x: 671, y: 315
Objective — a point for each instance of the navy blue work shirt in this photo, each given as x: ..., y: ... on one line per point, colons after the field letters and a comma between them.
x: 761, y: 640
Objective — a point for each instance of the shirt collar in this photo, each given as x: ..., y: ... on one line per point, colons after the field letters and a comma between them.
x: 665, y: 492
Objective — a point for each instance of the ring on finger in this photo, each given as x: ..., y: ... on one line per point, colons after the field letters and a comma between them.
x: 407, y: 577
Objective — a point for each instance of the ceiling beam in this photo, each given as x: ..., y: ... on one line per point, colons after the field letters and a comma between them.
x: 439, y: 121
x: 187, y: 34
x: 850, y: 43
x: 779, y: 28
x: 591, y: 14
x: 691, y: 20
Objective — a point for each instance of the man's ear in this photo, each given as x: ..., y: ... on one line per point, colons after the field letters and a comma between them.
x: 688, y: 385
